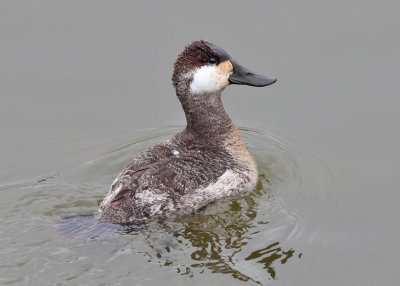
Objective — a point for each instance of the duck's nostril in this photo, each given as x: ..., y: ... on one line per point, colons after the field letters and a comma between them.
x: 249, y: 73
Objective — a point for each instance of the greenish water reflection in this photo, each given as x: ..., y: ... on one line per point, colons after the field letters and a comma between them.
x: 217, y: 235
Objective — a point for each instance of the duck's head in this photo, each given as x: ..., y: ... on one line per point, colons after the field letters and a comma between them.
x: 204, y: 68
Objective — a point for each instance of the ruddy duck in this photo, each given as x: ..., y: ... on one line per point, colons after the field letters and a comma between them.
x: 206, y: 161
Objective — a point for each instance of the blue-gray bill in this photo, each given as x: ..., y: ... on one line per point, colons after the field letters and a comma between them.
x: 242, y: 75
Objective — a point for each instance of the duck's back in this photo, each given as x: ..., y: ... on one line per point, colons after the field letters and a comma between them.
x: 179, y: 176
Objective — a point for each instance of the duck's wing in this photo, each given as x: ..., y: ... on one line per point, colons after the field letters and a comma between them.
x: 128, y: 179
x: 144, y: 190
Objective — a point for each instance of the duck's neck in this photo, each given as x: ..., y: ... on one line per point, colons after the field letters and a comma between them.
x: 205, y: 115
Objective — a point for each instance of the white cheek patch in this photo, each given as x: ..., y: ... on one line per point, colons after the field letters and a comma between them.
x: 207, y: 79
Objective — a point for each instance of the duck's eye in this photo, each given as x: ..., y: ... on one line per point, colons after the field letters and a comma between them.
x: 212, y: 60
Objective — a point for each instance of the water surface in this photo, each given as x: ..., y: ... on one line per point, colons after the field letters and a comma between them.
x: 85, y: 86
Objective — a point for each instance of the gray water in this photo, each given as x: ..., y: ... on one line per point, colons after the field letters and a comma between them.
x: 85, y: 86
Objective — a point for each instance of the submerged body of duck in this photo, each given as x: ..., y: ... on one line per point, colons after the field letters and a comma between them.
x: 208, y: 160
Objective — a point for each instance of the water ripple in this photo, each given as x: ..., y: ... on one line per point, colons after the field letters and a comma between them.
x: 250, y: 237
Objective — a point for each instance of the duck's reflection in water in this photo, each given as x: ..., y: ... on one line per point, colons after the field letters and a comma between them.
x: 218, y: 238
